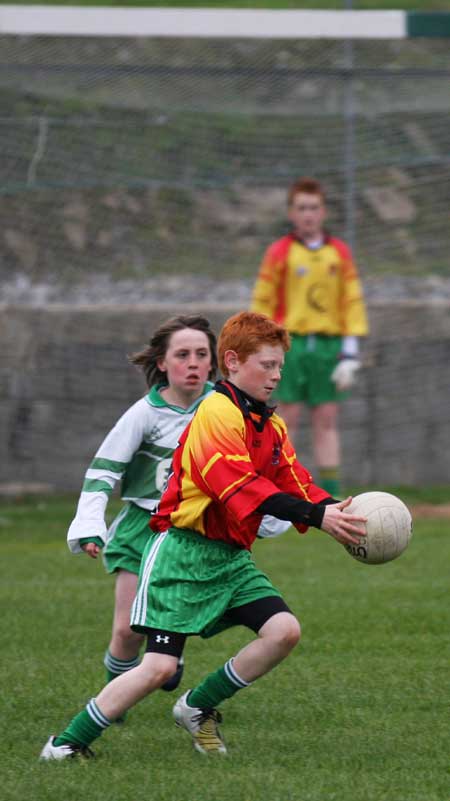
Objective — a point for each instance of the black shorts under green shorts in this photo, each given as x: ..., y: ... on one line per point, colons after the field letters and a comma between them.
x: 128, y: 535
x: 307, y: 370
x: 188, y: 582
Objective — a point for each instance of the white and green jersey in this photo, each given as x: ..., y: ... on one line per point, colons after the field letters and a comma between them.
x: 138, y: 452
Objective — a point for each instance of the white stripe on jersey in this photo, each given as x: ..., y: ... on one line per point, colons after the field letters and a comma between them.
x: 105, y: 475
x: 151, y: 455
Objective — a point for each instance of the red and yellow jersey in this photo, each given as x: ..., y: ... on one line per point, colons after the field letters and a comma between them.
x: 311, y: 291
x: 229, y: 460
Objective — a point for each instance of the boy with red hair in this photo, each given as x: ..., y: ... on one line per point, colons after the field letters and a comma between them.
x: 309, y: 283
x: 234, y: 464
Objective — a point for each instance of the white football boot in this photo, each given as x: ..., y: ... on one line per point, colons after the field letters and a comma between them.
x: 65, y: 751
x: 201, y: 725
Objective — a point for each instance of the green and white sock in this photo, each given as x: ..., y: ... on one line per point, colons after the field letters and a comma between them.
x: 84, y: 727
x: 115, y: 667
x: 218, y: 686
x: 328, y: 479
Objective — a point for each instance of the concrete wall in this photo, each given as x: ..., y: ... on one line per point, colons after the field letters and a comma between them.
x: 64, y: 380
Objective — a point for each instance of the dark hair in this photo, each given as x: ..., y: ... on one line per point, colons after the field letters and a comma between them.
x: 148, y: 358
x: 307, y: 185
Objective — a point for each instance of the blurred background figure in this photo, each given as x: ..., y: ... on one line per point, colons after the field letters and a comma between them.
x: 309, y: 283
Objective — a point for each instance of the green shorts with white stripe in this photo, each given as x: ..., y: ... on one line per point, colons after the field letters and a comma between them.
x: 188, y: 582
x: 128, y: 535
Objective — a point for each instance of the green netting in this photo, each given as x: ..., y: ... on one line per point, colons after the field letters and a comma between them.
x: 136, y: 156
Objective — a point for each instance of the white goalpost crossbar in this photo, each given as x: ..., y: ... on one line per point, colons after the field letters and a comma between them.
x: 201, y: 22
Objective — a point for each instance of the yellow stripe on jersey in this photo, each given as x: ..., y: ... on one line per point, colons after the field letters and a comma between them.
x: 212, y: 461
x: 235, y: 484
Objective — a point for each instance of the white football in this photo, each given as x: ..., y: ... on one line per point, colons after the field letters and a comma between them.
x: 388, y: 527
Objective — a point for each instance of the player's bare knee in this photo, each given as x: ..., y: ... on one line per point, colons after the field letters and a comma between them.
x: 291, y: 633
x: 167, y: 673
x: 283, y: 630
x: 126, y: 636
x: 158, y: 668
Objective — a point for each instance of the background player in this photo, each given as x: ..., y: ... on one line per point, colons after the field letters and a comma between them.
x: 308, y: 282
x: 234, y: 464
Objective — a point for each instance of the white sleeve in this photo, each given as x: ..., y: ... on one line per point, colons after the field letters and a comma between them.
x: 107, y: 467
x: 350, y: 346
x: 89, y: 520
x: 272, y: 527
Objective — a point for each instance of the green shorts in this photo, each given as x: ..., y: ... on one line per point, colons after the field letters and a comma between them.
x: 188, y: 582
x: 128, y: 535
x: 307, y: 371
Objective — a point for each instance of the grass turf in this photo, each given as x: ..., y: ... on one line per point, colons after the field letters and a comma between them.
x: 357, y: 712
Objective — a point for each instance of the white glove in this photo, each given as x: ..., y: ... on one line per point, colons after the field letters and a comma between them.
x: 344, y: 373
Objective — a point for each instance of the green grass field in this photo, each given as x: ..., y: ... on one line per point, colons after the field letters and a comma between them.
x: 359, y: 712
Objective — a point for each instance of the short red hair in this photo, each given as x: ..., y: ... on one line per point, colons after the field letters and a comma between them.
x: 245, y: 333
x: 307, y: 185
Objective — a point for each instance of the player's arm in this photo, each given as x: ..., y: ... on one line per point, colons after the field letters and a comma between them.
x: 267, y: 288
x: 353, y: 308
x: 354, y: 322
x: 87, y: 532
x: 292, y: 477
x: 218, y: 449
x: 328, y: 515
x: 303, y: 502
x: 216, y: 452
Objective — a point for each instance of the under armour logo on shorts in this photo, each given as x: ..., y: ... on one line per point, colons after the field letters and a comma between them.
x: 162, y: 638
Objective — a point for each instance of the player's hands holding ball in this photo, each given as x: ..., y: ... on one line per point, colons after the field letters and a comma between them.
x: 341, y: 525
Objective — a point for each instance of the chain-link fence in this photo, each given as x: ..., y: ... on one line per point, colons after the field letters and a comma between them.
x: 142, y: 158
x: 134, y: 157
